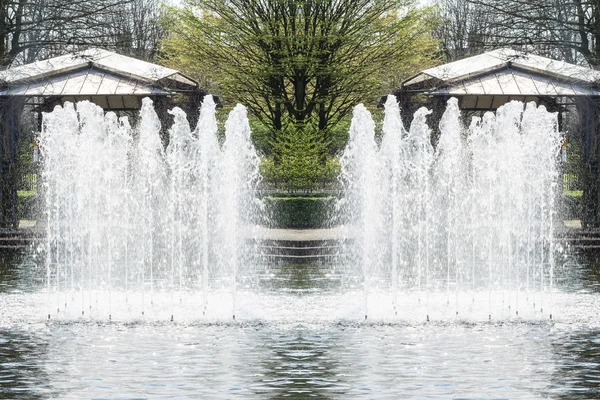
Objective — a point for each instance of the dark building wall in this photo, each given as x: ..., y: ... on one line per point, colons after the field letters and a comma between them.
x: 588, y: 109
x: 11, y: 109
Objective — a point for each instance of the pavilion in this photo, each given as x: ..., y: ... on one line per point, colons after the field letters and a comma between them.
x: 487, y: 81
x: 112, y: 81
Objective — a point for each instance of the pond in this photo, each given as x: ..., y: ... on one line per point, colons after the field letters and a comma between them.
x: 299, y: 334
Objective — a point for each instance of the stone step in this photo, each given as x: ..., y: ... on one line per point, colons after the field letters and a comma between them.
x: 18, y: 241
x: 299, y: 251
x: 287, y: 258
x: 298, y: 243
x: 295, y: 250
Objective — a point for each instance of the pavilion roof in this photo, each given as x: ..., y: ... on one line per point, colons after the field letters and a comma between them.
x: 93, y: 72
x: 506, y: 73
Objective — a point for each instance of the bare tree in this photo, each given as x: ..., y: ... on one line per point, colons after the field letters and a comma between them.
x: 136, y: 30
x: 33, y: 29
x: 37, y: 29
x: 564, y: 29
x: 465, y: 29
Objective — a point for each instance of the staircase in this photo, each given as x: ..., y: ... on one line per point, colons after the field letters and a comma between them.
x: 19, y: 240
x: 299, y: 251
x: 580, y: 240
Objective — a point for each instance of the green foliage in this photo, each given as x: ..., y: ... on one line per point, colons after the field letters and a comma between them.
x: 300, y: 66
x: 299, y: 212
x: 573, y: 193
x: 309, y: 61
x: 338, y: 136
x: 299, y: 160
x: 575, y: 161
x: 571, y: 205
x: 26, y: 193
x: 27, y: 205
x: 262, y: 137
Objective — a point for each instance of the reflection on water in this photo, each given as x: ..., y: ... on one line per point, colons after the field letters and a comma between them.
x: 22, y: 368
x: 330, y: 361
x: 582, y: 273
x: 295, y: 358
x: 578, y: 358
x: 302, y: 278
x: 19, y: 272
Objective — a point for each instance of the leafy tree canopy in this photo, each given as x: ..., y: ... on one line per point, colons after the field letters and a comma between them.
x: 305, y: 61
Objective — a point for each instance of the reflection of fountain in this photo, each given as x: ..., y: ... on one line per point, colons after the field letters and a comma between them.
x: 130, y: 222
x: 472, y: 219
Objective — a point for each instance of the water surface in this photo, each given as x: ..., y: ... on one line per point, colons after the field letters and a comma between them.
x: 303, y: 350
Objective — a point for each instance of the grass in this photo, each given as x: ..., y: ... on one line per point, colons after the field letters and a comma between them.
x: 573, y: 193
x: 26, y: 193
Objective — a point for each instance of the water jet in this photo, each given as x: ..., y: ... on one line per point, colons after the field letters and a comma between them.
x: 474, y: 214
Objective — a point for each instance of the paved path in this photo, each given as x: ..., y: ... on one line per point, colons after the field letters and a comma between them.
x: 572, y: 224
x: 301, y: 235
x: 27, y: 224
x: 335, y: 233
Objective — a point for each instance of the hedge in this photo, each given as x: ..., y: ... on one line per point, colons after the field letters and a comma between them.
x: 299, y: 212
x: 27, y: 206
x: 571, y: 205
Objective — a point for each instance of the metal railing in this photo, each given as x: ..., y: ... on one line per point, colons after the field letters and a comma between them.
x: 28, y: 181
x: 571, y: 182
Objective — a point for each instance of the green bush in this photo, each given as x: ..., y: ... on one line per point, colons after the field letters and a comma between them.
x: 27, y: 206
x: 299, y: 212
x: 571, y: 205
x: 299, y: 159
x: 288, y: 195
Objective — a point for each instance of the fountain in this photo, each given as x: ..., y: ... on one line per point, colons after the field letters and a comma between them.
x: 451, y: 256
x: 470, y: 219
x: 462, y: 229
x: 133, y: 225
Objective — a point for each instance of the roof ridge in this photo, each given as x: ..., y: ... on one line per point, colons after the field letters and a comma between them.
x: 100, y: 58
x: 502, y: 58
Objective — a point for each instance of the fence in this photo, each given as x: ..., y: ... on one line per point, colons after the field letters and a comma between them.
x: 27, y: 181
x: 571, y: 183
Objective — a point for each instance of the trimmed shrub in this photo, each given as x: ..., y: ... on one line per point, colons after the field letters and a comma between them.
x: 571, y: 205
x: 299, y: 212
x: 28, y: 205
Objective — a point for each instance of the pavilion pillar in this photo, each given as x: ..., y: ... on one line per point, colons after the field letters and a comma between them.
x: 589, y: 114
x: 161, y: 107
x: 437, y: 104
x: 10, y: 132
x: 192, y: 107
x: 407, y: 107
